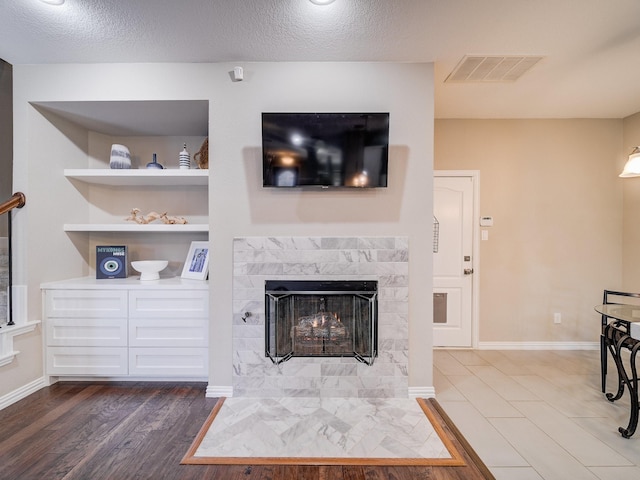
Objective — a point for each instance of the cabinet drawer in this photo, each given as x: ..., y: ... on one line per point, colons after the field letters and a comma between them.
x: 85, y: 303
x: 87, y: 332
x: 168, y: 332
x: 86, y: 361
x: 168, y: 362
x: 168, y: 304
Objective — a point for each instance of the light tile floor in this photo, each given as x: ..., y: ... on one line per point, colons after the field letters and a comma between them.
x: 533, y: 415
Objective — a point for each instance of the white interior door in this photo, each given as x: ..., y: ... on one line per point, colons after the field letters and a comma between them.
x: 453, y: 260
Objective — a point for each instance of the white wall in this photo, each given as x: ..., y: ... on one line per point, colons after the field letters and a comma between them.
x: 631, y: 189
x: 403, y: 209
x: 6, y: 137
x: 238, y: 205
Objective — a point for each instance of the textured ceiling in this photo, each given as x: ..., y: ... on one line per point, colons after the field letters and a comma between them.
x: 590, y: 47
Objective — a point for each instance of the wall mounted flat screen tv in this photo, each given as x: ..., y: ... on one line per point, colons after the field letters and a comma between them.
x: 325, y: 149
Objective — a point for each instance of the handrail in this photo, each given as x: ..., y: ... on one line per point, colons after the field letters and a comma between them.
x: 17, y: 200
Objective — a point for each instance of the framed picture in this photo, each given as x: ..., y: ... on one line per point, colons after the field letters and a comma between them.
x: 196, y: 265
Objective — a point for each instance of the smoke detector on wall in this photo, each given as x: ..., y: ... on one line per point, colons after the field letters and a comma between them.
x: 492, y: 68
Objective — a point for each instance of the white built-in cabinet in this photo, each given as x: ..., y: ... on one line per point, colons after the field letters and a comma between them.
x: 126, y: 328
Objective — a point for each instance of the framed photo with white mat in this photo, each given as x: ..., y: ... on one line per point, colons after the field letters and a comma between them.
x: 196, y: 265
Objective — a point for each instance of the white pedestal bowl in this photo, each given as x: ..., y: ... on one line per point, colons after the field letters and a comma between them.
x: 149, y: 269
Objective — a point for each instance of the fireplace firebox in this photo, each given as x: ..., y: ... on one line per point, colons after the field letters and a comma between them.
x: 321, y: 319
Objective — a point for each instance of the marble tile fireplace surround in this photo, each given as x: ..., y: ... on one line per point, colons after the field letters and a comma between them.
x: 381, y: 259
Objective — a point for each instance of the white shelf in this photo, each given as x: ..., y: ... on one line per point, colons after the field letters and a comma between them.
x: 135, y: 227
x: 93, y: 283
x: 139, y: 177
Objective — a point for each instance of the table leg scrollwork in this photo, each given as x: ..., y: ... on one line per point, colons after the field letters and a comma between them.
x: 618, y: 339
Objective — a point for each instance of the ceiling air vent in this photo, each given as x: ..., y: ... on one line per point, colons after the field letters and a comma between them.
x: 476, y: 68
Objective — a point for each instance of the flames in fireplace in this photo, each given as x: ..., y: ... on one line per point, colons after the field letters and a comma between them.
x: 322, y: 332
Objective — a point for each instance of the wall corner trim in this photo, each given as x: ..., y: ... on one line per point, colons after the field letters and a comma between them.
x: 422, y: 392
x: 7, y: 333
x: 217, y: 391
x: 22, y: 392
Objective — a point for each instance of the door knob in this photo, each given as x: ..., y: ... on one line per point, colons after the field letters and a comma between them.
x: 468, y: 271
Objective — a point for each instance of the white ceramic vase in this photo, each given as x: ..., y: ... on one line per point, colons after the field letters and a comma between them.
x: 120, y: 157
x: 184, y: 159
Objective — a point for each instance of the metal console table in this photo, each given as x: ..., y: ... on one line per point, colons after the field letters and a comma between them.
x: 624, y: 319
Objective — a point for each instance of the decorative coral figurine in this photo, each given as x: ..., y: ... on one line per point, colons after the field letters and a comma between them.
x: 152, y: 217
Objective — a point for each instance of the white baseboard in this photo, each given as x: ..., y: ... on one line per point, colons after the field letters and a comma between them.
x: 22, y: 392
x: 129, y: 378
x: 422, y: 392
x: 539, y: 346
x: 217, y: 391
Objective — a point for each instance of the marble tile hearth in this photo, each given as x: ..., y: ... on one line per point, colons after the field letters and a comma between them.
x: 384, y: 259
x: 390, y: 428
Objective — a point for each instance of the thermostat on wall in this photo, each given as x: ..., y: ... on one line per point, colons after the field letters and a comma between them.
x: 486, y: 221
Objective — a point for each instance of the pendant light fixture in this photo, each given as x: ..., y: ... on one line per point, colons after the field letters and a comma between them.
x: 322, y: 2
x: 632, y: 167
x: 53, y: 2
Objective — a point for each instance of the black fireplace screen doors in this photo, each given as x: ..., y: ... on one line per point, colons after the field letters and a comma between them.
x: 321, y: 319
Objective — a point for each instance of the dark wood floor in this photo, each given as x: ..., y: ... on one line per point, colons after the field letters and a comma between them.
x: 122, y: 431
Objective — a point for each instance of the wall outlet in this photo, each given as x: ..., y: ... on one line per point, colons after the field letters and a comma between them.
x: 557, y: 318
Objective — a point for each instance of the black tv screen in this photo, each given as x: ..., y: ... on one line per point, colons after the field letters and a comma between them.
x: 325, y: 149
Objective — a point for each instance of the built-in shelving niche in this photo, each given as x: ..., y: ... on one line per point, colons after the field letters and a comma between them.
x: 97, y: 199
